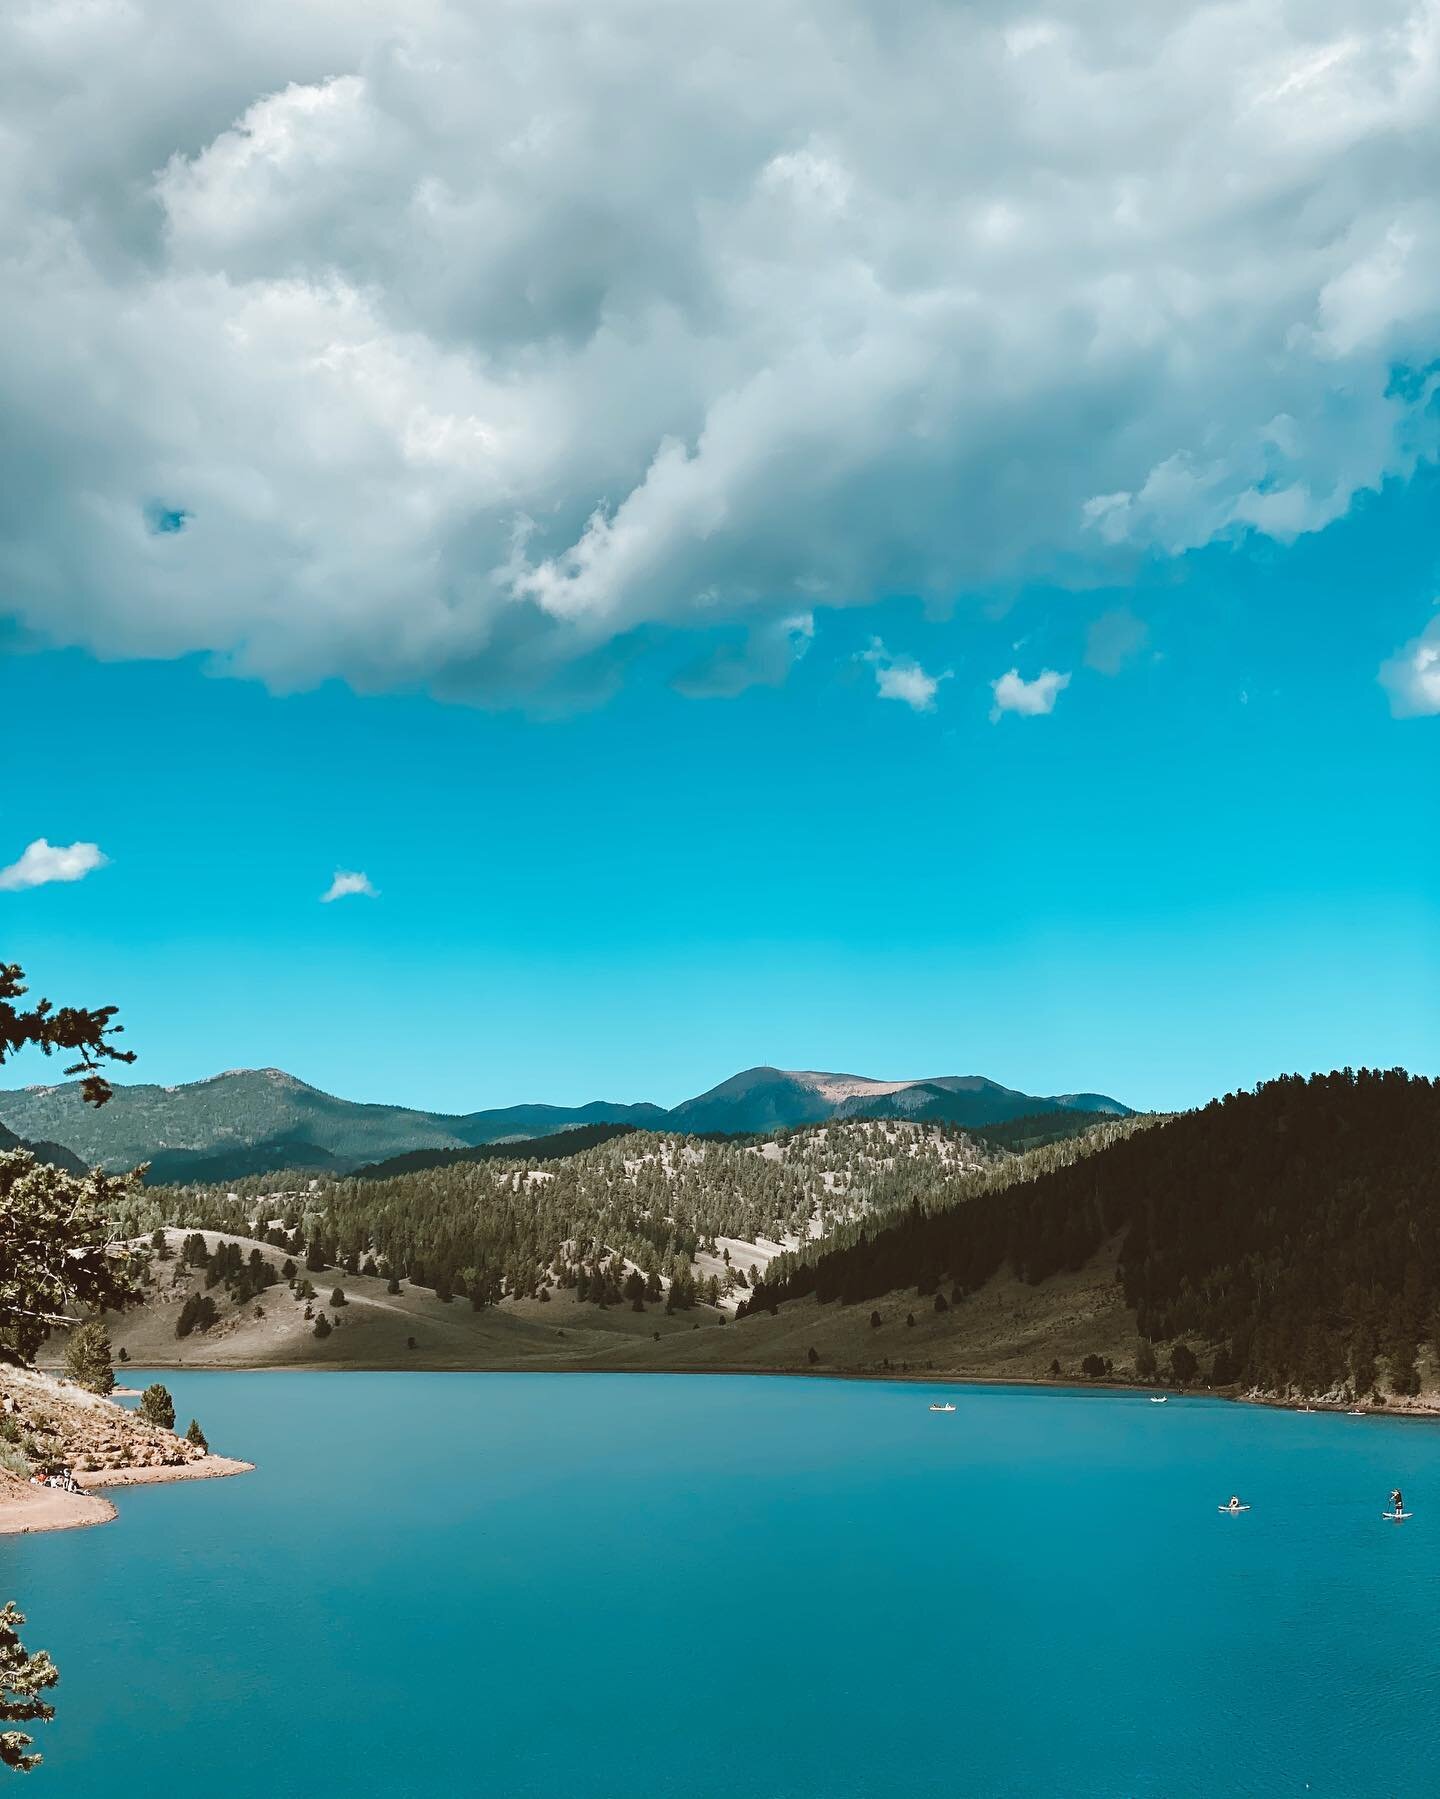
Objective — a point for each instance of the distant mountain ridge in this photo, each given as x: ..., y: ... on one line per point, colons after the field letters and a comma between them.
x: 250, y: 1121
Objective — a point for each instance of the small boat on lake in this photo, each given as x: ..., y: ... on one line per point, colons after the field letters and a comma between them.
x: 1159, y: 1398
x: 947, y: 1407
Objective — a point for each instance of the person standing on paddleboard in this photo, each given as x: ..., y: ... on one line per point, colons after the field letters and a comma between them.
x: 1397, y: 1502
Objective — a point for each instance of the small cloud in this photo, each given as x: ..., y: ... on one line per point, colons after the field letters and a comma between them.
x: 44, y: 862
x: 1113, y: 639
x: 902, y: 678
x: 346, y: 882
x: 1031, y: 699
x: 1412, y: 676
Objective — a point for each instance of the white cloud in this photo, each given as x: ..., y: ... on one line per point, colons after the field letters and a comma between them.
x: 353, y: 339
x: 1412, y: 676
x: 1031, y: 699
x: 347, y: 882
x: 902, y: 678
x: 44, y: 862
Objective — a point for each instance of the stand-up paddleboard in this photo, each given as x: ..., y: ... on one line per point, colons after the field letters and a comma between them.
x: 1234, y: 1510
x: 1397, y: 1517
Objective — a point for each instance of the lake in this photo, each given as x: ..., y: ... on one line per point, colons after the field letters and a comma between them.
x: 606, y: 1585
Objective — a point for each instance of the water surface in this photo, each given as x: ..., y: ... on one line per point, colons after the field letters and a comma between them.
x: 598, y: 1585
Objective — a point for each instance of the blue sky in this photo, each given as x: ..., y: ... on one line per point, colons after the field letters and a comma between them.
x: 736, y: 588
x: 1217, y: 864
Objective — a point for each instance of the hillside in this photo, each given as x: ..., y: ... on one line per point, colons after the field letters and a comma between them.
x: 54, y: 1153
x: 508, y: 1258
x: 1292, y: 1235
x: 508, y: 1225
x: 255, y: 1121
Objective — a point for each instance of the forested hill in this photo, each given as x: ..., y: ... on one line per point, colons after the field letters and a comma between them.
x: 1295, y: 1230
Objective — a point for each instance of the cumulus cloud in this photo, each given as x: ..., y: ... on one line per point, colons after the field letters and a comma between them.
x: 763, y: 659
x: 1412, y: 676
x: 347, y: 882
x: 902, y: 678
x: 43, y: 862
x: 358, y: 339
x: 1031, y: 699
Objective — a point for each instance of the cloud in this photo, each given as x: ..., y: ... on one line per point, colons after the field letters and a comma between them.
x: 763, y: 659
x: 44, y: 862
x: 902, y: 678
x: 354, y: 340
x: 1031, y: 699
x: 347, y: 882
x: 1113, y: 639
x: 1412, y: 676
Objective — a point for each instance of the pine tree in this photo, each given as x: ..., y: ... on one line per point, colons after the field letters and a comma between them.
x: 196, y: 1436
x: 23, y: 1678
x: 157, y: 1407
x: 322, y: 1325
x: 87, y: 1357
x: 337, y: 1298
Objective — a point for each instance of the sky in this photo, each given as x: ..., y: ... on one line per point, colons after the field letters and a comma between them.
x: 551, y: 552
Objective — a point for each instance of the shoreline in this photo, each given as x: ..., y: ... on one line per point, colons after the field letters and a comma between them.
x: 1419, y: 1413
x: 27, y: 1510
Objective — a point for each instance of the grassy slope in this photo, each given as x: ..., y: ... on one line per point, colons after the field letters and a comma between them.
x: 1006, y: 1330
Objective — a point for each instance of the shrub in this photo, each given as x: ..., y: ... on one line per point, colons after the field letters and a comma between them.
x: 875, y: 1321
x: 814, y: 1355
x: 941, y: 1303
x: 322, y: 1325
x: 392, y: 1285
x: 157, y: 1407
x: 337, y: 1298
x: 196, y: 1436
x: 910, y: 1320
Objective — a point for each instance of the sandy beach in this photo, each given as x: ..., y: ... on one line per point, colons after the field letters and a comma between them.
x: 25, y: 1508
x: 212, y: 1467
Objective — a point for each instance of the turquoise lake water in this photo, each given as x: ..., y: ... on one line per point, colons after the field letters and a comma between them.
x: 592, y: 1585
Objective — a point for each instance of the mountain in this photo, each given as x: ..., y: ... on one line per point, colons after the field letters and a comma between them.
x: 250, y: 1121
x: 768, y: 1099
